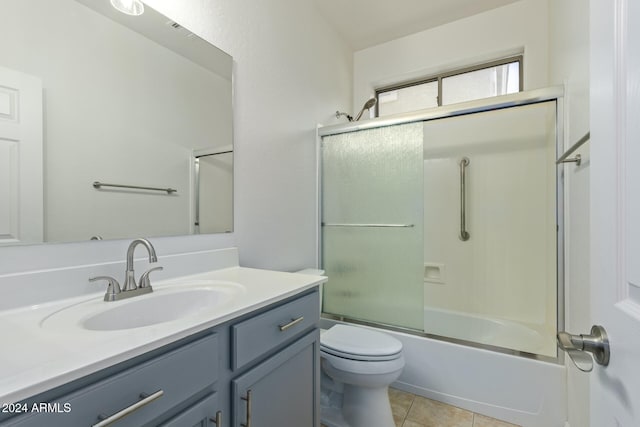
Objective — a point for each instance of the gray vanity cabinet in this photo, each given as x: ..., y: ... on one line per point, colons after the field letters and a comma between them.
x: 263, y: 365
x: 281, y: 391
x: 139, y: 395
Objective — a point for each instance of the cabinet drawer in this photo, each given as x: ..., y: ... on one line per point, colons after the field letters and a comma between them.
x: 256, y: 336
x: 172, y: 377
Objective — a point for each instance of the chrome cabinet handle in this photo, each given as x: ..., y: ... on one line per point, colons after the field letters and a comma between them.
x: 218, y: 419
x: 464, y: 234
x: 146, y: 399
x: 290, y: 324
x: 248, y: 400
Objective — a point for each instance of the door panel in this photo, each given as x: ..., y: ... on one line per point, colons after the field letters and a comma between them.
x: 21, y: 192
x: 372, y: 225
x: 280, y: 391
x: 615, y: 208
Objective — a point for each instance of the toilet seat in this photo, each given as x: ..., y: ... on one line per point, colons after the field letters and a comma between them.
x: 356, y: 343
x: 362, y: 367
x: 358, y: 357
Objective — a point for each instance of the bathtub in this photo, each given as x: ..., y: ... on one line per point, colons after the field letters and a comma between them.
x: 489, y: 331
x: 523, y: 391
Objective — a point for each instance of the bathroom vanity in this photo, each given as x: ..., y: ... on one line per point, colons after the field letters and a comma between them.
x: 251, y: 361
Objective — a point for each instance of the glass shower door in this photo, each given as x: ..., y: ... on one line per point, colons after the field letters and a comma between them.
x: 501, y: 282
x: 372, y: 225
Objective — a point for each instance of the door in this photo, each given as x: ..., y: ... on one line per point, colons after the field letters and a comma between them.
x: 21, y: 194
x: 205, y: 413
x: 615, y: 208
x: 372, y: 217
x: 281, y: 391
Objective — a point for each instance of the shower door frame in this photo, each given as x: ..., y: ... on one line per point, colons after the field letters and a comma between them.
x: 537, y: 96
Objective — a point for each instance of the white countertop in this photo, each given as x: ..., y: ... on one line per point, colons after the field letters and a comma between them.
x: 35, y: 358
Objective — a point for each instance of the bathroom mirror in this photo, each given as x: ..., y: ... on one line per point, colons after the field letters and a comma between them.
x: 104, y: 118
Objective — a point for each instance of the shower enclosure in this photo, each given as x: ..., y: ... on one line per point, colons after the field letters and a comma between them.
x: 212, y: 190
x: 447, y: 223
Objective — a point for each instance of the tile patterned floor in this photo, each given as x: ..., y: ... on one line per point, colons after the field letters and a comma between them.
x: 415, y: 411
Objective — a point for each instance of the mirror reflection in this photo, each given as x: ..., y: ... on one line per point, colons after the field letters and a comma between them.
x: 88, y: 94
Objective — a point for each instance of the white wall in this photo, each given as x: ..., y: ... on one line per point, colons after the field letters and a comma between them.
x: 513, y: 29
x: 291, y: 72
x: 569, y: 64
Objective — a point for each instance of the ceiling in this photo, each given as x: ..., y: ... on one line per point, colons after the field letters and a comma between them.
x: 365, y: 23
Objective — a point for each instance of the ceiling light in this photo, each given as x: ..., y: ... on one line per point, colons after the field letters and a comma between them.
x: 130, y: 7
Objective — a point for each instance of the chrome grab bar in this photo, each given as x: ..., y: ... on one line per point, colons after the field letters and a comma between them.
x: 196, y: 192
x: 464, y: 234
x: 328, y: 224
x: 98, y: 184
x: 146, y: 399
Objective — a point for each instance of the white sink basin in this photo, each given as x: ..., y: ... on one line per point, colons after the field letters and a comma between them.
x: 164, y: 304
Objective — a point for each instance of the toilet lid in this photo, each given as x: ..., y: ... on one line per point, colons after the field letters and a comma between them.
x: 359, y: 343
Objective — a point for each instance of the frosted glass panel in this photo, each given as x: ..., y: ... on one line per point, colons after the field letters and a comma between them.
x: 372, y: 225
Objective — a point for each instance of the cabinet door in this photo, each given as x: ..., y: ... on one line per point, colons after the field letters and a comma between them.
x: 201, y: 414
x: 283, y: 390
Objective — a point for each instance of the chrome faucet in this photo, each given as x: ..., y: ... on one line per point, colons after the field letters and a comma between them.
x: 129, y: 278
x: 130, y: 288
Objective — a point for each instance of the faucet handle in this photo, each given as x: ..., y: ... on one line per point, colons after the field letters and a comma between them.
x: 112, y: 290
x: 144, y: 281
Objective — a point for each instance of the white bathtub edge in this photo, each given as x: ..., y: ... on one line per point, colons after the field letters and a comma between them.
x: 526, y: 392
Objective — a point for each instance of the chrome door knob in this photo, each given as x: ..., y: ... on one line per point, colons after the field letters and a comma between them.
x: 578, y: 348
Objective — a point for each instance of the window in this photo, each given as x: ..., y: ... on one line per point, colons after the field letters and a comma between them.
x: 482, y: 81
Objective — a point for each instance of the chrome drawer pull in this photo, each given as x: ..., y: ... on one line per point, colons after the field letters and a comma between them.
x: 146, y: 399
x: 218, y: 419
x: 292, y: 323
x: 248, y: 400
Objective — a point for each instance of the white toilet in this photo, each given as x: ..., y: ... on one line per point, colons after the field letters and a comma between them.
x: 358, y: 364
